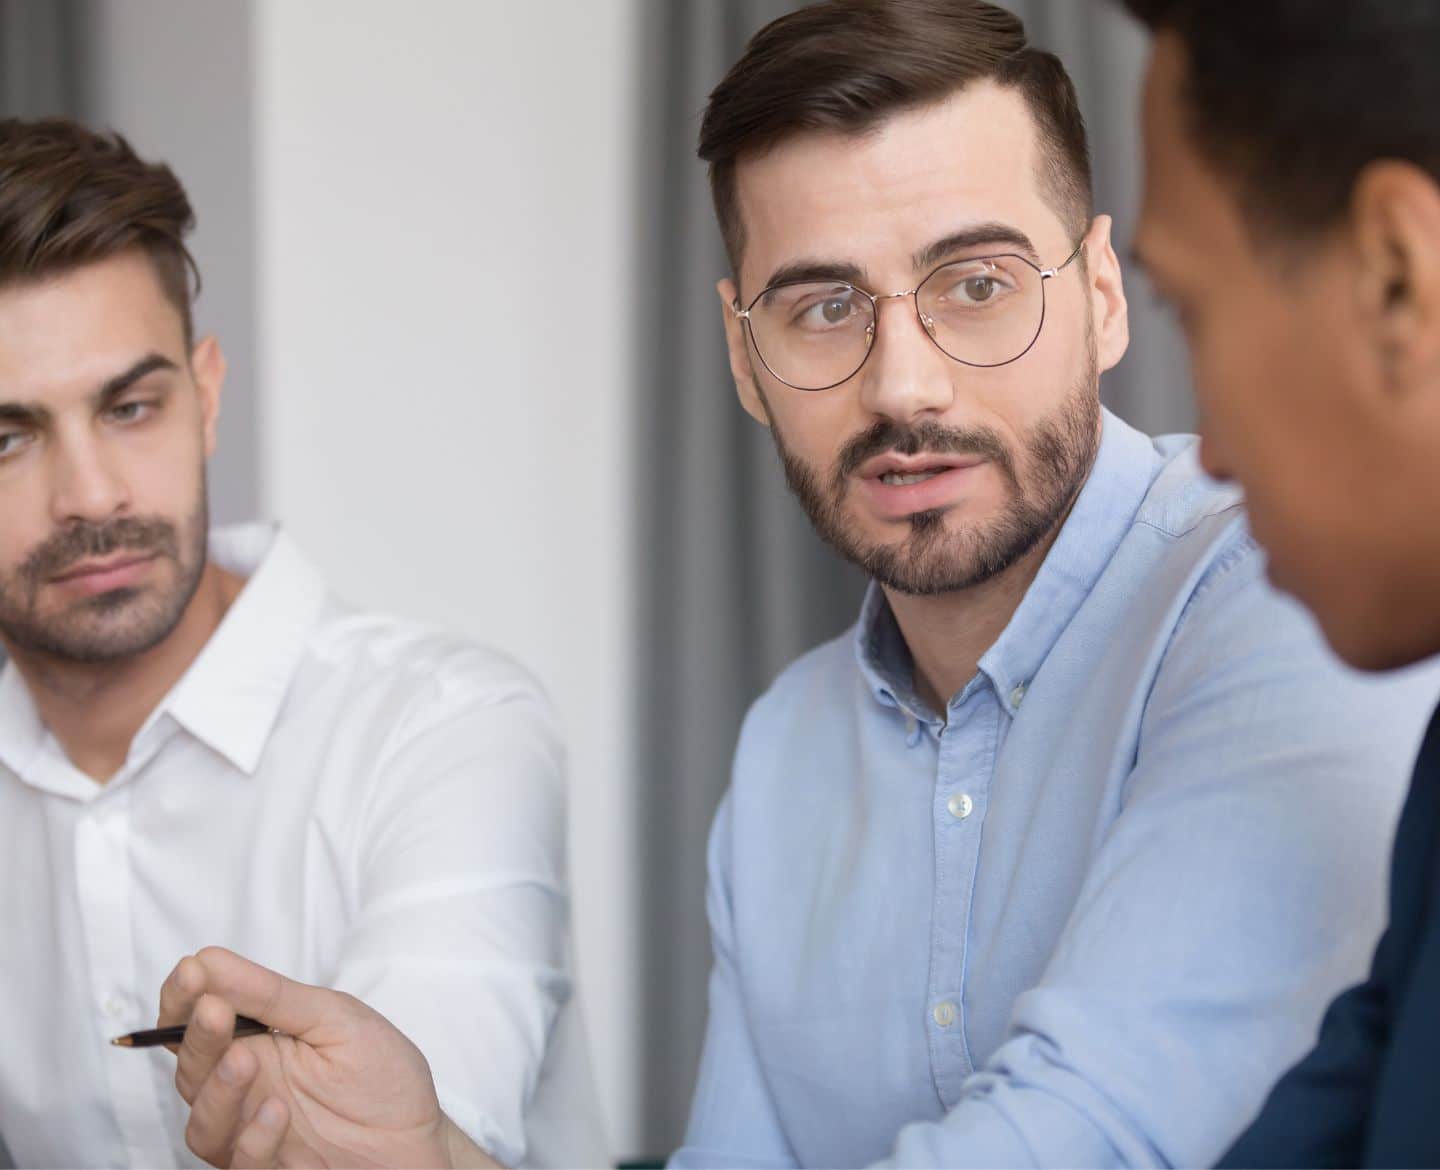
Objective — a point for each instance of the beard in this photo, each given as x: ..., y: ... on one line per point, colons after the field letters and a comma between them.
x: 931, y: 558
x: 121, y: 623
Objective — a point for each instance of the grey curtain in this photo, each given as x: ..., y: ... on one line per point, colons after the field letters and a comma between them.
x: 735, y: 583
x: 37, y: 50
x: 37, y: 77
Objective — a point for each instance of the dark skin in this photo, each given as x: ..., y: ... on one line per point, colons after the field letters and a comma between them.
x: 1317, y: 370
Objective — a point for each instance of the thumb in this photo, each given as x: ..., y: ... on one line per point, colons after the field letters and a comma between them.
x: 303, y: 1011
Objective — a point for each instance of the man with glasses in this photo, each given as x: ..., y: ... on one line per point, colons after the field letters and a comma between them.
x: 1055, y: 858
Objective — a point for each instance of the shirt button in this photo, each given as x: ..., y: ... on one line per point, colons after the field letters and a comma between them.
x: 960, y: 806
x: 1017, y: 696
x: 944, y: 1014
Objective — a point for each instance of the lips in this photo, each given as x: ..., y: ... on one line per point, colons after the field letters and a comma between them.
x: 899, y: 486
x: 102, y: 566
x: 105, y: 575
x: 906, y: 466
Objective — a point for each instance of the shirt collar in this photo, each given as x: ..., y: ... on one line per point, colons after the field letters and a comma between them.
x: 230, y: 696
x: 21, y: 731
x: 1125, y: 466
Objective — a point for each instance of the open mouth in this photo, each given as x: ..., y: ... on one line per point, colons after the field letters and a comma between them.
x: 906, y: 478
x: 900, y: 486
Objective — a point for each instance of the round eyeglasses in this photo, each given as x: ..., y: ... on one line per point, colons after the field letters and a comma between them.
x: 983, y: 311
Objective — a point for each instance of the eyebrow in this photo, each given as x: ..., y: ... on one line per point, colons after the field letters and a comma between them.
x: 117, y: 385
x: 32, y: 414
x: 803, y: 270
x: 979, y: 235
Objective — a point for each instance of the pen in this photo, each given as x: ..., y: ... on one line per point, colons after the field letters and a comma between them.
x: 154, y: 1037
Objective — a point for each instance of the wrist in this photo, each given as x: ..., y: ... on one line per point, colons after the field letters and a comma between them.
x: 460, y: 1152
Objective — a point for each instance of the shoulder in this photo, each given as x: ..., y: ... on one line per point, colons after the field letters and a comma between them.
x: 817, y: 683
x: 1182, y: 498
x: 1198, y: 554
x: 408, y: 678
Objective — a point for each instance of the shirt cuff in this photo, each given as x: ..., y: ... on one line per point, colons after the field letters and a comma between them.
x: 483, y: 1130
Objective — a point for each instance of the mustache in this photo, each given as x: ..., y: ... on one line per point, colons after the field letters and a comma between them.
x: 926, y: 436
x: 81, y: 542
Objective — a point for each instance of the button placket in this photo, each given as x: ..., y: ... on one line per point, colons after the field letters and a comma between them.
x: 968, y: 745
x: 104, y: 883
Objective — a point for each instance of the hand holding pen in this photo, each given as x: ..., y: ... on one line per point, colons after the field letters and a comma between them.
x: 331, y: 1083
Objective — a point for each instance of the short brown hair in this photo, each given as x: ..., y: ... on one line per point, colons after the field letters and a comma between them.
x: 846, y: 65
x: 70, y: 197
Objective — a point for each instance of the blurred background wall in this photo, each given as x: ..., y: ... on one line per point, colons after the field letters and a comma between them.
x: 461, y: 257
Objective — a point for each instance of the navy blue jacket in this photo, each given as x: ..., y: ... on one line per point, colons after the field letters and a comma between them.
x: 1369, y: 1092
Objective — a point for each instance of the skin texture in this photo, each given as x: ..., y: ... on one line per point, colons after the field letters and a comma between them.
x: 872, y: 202
x: 1316, y: 365
x: 82, y: 478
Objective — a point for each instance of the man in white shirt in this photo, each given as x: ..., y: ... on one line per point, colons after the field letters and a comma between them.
x: 199, y: 745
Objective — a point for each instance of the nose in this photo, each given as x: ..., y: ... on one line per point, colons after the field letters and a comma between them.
x: 86, y: 486
x: 907, y: 376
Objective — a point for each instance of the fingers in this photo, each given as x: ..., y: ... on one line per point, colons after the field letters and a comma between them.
x: 210, y: 1031
x: 217, y: 1108
x: 266, y: 995
x: 259, y: 1142
x: 182, y: 987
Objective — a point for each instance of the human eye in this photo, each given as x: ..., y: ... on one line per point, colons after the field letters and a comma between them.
x: 825, y: 310
x: 131, y: 412
x: 974, y: 285
x: 12, y: 443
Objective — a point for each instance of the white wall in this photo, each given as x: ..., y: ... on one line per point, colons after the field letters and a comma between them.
x: 444, y: 221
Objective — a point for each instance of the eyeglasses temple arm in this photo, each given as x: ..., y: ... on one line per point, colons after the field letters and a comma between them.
x: 1047, y: 273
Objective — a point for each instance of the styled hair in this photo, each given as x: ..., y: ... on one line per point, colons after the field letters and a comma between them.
x: 1288, y: 100
x: 70, y: 197
x: 847, y: 65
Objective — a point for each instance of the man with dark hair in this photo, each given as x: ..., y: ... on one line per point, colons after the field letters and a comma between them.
x: 1036, y: 866
x: 200, y: 744
x: 1292, y: 215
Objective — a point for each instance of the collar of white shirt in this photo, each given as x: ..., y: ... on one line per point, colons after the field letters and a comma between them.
x: 230, y: 696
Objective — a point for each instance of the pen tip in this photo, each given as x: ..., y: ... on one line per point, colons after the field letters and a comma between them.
x: 123, y: 1042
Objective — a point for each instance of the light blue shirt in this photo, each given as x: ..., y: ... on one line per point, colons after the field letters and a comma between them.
x: 1087, y: 916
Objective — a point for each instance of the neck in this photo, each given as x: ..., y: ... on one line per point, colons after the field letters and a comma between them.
x: 948, y: 633
x: 95, y: 710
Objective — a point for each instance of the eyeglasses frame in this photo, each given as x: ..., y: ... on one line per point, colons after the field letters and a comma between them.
x: 743, y: 315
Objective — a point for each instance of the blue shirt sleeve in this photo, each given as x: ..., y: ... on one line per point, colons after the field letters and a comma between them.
x: 1198, y: 958
x: 1316, y: 1115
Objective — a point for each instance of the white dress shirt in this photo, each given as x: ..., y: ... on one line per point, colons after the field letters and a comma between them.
x: 352, y: 800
